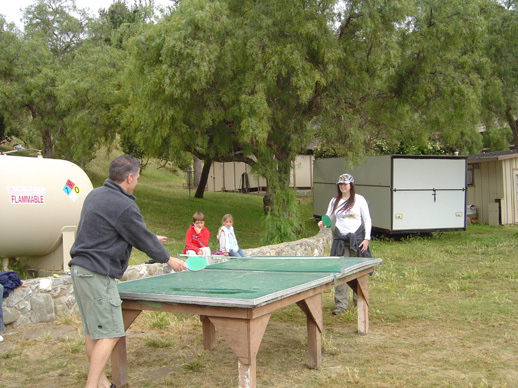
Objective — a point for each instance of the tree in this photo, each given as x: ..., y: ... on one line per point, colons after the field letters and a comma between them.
x: 233, y: 80
x: 265, y: 78
x: 89, y: 92
x: 50, y: 38
x: 10, y: 47
x: 65, y: 85
x: 501, y: 100
x: 172, y: 80
x: 414, y: 72
x: 115, y: 24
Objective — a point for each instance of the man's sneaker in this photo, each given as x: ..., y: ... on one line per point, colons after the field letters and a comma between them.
x: 337, y: 311
x: 1, y: 338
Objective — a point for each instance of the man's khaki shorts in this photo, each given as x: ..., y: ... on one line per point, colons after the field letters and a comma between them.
x: 99, y: 303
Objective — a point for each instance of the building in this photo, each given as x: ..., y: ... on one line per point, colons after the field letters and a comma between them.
x: 492, y: 182
x: 237, y: 176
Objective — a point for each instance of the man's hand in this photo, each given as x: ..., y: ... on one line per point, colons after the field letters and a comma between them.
x: 197, y: 229
x: 176, y: 264
x: 162, y: 239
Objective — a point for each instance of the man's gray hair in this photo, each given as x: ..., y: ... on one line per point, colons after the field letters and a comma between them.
x: 122, y: 166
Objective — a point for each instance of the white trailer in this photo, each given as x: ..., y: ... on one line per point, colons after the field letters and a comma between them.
x: 406, y: 193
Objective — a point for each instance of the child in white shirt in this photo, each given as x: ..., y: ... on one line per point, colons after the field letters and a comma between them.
x: 227, y: 238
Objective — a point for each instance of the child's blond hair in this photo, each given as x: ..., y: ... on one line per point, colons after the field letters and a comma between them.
x: 225, y: 217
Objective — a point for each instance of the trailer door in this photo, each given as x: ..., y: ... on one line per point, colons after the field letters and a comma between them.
x: 428, y: 194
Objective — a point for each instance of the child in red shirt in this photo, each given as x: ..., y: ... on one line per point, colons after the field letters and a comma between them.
x: 197, y: 237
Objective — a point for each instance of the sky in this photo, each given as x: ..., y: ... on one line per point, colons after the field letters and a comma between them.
x: 13, y: 9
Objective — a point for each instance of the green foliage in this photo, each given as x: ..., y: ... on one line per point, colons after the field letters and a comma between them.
x: 10, y: 49
x: 282, y: 222
x: 89, y: 91
x: 119, y: 22
x: 129, y: 147
x: 403, y: 83
x: 497, y: 139
x: 59, y: 91
x: 430, y: 148
x: 322, y: 151
x: 3, y: 132
x: 18, y: 267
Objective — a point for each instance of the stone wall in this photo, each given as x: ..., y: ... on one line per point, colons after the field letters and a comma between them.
x: 44, y: 299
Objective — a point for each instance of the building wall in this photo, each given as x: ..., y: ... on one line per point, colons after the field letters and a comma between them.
x: 494, y: 191
x: 484, y: 190
x: 302, y: 174
x: 227, y: 176
x: 509, y: 207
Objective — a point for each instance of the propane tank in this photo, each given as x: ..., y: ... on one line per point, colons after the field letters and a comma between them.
x: 39, y: 200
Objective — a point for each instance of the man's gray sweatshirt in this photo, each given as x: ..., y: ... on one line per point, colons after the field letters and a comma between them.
x: 110, y: 225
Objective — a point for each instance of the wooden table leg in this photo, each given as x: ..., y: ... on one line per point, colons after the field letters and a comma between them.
x: 363, y: 304
x: 209, y: 333
x: 119, y: 360
x: 247, y: 373
x: 120, y: 364
x: 312, y: 307
x: 244, y: 337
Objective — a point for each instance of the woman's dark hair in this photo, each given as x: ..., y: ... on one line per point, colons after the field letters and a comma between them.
x: 349, y: 203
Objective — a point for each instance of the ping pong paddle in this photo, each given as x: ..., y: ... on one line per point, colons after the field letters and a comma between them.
x: 195, y: 263
x: 326, y: 221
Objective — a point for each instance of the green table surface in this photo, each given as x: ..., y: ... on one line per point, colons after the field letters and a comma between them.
x: 245, y: 282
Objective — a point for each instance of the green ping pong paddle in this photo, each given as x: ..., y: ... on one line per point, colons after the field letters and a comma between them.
x: 195, y: 263
x: 326, y: 221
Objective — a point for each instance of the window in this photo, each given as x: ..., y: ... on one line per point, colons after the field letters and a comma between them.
x: 469, y: 176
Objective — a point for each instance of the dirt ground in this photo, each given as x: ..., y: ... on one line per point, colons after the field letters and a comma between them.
x: 52, y: 355
x: 166, y: 350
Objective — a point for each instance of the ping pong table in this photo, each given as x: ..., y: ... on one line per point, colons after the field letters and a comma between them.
x: 236, y: 298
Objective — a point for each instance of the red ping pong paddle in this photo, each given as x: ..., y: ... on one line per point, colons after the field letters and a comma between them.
x: 195, y: 263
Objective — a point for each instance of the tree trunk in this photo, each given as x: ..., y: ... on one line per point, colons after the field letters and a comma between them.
x: 196, y: 163
x: 203, y: 179
x: 267, y: 200
x: 277, y: 180
x: 513, y: 124
x: 280, y: 204
x: 48, y: 144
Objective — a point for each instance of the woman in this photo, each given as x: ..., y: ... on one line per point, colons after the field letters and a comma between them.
x: 352, y: 231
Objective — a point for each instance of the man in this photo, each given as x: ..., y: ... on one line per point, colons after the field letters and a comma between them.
x: 109, y: 227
